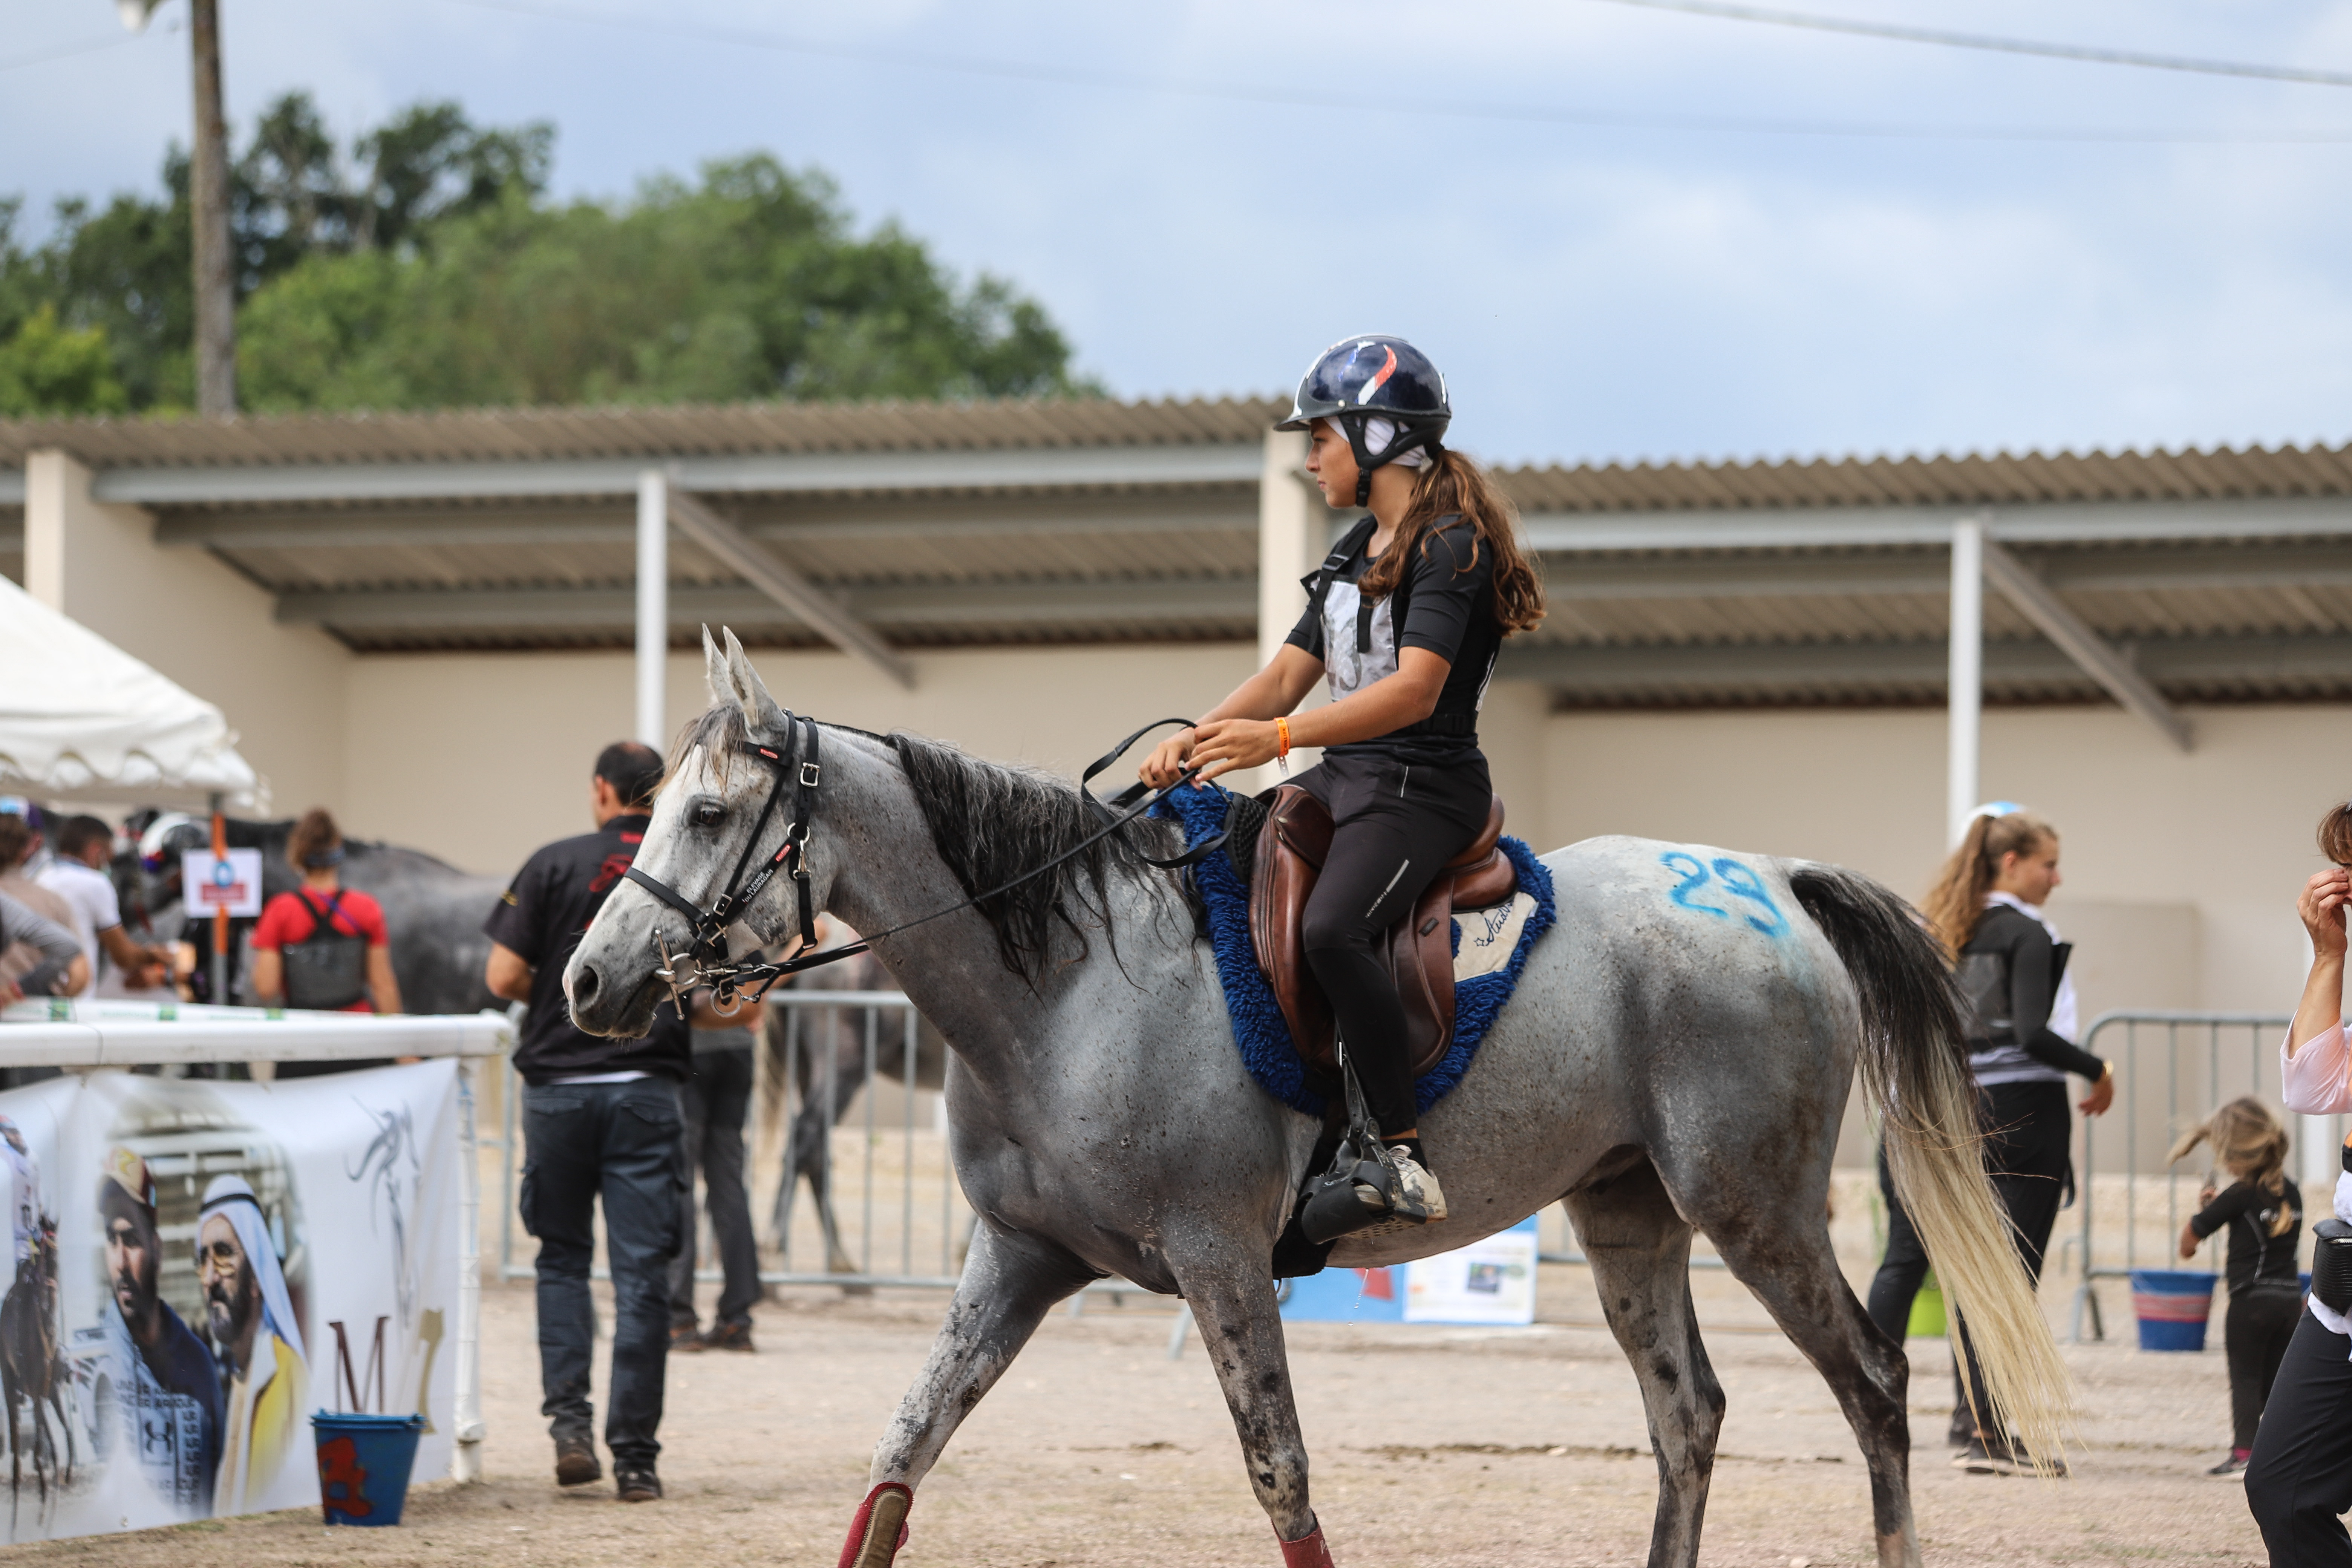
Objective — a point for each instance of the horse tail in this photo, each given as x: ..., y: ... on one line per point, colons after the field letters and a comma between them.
x: 1915, y: 1072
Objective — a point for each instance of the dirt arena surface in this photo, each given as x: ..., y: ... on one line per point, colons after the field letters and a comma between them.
x: 1432, y: 1447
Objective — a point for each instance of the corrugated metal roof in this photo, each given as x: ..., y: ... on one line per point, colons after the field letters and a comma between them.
x: 1997, y: 479
x: 509, y: 435
x: 1089, y: 562
x: 513, y: 434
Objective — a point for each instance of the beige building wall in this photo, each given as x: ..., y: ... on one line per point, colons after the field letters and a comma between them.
x: 2180, y: 870
x: 481, y: 758
x: 195, y: 621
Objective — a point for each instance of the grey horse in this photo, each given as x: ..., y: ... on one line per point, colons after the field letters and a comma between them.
x: 1677, y: 1057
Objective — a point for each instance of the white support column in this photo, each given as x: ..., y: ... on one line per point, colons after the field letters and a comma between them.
x: 1291, y: 529
x: 1966, y: 697
x: 1294, y: 533
x: 653, y: 605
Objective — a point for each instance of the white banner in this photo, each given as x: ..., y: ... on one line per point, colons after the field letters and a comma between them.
x: 200, y: 1266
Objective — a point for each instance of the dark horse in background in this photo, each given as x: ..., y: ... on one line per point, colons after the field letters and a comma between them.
x: 434, y: 911
x: 33, y: 1377
x: 823, y: 1067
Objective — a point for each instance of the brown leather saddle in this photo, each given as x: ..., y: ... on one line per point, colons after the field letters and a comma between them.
x: 1419, y: 949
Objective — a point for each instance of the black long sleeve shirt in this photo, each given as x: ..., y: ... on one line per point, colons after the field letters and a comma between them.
x: 2009, y: 972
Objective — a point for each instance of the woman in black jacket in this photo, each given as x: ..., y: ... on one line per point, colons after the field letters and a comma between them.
x: 1985, y: 906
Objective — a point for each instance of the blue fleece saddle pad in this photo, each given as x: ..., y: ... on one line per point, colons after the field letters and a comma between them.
x: 1490, y: 948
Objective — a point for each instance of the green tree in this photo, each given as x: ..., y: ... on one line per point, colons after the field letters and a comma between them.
x: 428, y: 269
x: 45, y: 368
x: 751, y: 284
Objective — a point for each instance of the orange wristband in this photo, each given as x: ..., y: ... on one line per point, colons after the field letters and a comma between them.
x: 1282, y: 728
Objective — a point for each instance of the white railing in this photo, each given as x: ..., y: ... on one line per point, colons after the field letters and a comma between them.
x: 2200, y: 1059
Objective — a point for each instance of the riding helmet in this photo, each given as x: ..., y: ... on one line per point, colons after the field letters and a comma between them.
x: 1357, y: 379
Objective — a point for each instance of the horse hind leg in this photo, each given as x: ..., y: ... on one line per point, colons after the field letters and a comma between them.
x: 1638, y: 1249
x: 1011, y: 1283
x: 1782, y: 1253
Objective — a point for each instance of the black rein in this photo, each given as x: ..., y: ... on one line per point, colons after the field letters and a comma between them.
x: 729, y: 979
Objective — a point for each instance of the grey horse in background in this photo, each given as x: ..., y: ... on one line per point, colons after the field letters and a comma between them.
x: 1676, y: 1058
x: 823, y: 1067
x: 432, y: 911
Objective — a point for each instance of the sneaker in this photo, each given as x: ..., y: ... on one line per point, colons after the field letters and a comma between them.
x: 2233, y: 1469
x: 1990, y: 1456
x: 631, y: 1484
x: 575, y: 1462
x: 726, y: 1336
x: 2001, y: 1457
x: 683, y: 1336
x: 1413, y: 1193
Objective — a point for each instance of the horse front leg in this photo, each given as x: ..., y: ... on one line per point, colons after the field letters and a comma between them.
x: 1233, y: 1306
x: 1009, y: 1285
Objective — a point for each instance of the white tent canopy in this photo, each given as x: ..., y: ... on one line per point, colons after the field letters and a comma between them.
x: 81, y: 720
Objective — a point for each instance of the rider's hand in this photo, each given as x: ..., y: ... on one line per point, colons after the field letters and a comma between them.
x: 1165, y: 765
x: 2102, y: 1095
x: 1226, y: 745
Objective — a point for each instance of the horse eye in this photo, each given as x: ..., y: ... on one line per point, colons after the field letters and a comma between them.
x: 707, y: 813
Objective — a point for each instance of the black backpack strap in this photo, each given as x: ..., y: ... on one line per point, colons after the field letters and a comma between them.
x: 1318, y: 582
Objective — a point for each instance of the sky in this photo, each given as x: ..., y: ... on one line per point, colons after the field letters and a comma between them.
x: 1665, y: 280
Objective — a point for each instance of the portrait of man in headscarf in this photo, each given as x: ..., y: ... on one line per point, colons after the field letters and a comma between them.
x: 163, y: 1380
x: 264, y: 1376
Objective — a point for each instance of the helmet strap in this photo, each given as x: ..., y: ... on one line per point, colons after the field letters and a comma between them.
x: 1407, y: 439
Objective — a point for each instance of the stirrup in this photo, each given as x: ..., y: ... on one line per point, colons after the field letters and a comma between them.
x: 1364, y: 1188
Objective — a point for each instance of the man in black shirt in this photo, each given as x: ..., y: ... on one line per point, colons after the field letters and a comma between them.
x: 599, y: 1116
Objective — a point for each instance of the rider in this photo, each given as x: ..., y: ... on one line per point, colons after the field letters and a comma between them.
x: 1404, y: 619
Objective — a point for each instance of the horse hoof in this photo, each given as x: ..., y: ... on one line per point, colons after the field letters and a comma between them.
x: 1306, y: 1552
x: 879, y: 1528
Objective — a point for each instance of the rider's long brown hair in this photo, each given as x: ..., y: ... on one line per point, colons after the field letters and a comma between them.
x: 1956, y: 903
x: 1453, y: 484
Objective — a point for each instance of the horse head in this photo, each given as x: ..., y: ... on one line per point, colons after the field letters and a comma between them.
x: 711, y: 806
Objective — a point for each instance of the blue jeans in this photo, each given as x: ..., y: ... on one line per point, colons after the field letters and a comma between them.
x: 620, y: 1141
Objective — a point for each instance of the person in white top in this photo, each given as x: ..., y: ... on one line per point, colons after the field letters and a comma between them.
x: 2299, y: 1479
x: 76, y: 876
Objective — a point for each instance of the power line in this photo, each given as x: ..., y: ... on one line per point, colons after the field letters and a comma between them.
x: 1084, y: 76
x: 88, y: 45
x: 1997, y: 45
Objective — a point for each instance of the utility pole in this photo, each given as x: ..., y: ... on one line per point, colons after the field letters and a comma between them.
x: 208, y: 197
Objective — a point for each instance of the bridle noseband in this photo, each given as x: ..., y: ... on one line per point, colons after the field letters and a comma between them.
x: 729, y: 979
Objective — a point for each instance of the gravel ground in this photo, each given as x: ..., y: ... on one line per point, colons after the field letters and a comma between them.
x: 1431, y: 1446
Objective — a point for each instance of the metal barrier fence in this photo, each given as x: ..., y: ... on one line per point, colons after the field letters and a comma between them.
x: 841, y: 1050
x: 2200, y: 1059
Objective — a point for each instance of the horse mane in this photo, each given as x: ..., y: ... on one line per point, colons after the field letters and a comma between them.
x: 990, y: 823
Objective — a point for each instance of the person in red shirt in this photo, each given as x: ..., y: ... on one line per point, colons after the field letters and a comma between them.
x: 323, y: 947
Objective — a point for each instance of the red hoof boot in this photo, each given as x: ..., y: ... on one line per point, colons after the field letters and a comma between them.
x: 1306, y: 1552
x: 880, y: 1528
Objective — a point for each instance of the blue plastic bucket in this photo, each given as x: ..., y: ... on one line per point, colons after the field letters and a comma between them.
x: 363, y: 1465
x: 2172, y: 1306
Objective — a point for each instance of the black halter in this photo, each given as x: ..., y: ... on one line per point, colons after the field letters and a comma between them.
x: 707, y: 950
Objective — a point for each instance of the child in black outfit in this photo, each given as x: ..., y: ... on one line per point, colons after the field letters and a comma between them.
x: 2263, y: 1211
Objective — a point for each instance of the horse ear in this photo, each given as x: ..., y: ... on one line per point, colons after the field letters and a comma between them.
x: 760, y: 714
x: 714, y: 669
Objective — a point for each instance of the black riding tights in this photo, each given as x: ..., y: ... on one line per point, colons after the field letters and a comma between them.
x: 1395, y: 825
